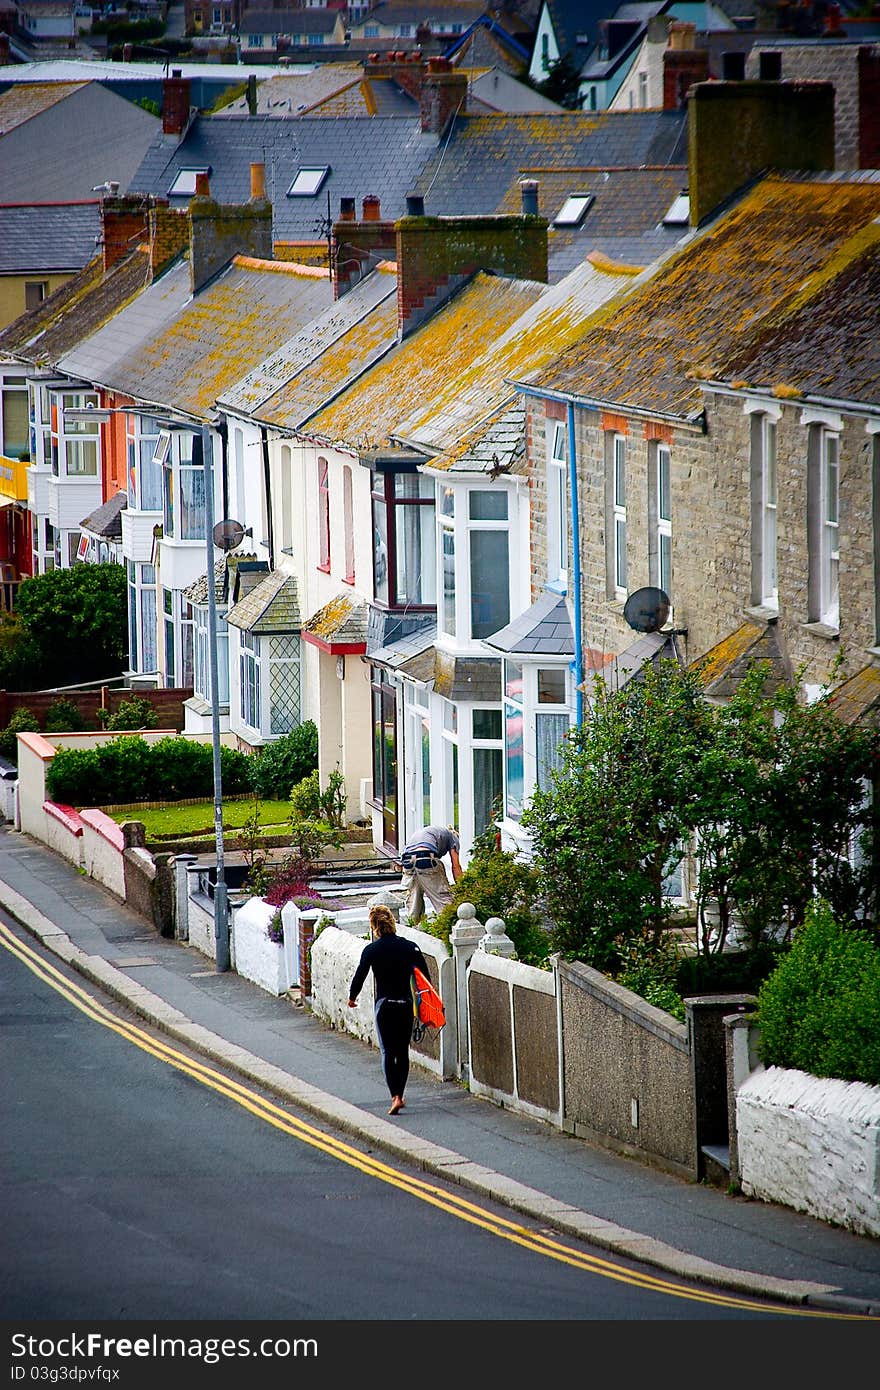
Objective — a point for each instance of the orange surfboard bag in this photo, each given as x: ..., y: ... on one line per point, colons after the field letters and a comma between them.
x: 428, y: 1008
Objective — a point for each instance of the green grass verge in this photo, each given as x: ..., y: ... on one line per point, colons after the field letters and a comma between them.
x: 174, y: 821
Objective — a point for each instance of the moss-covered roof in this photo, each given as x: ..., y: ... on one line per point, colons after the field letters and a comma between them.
x: 271, y: 606
x: 721, y: 669
x: 716, y: 295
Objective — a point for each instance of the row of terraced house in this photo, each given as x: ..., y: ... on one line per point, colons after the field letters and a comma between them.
x: 459, y: 449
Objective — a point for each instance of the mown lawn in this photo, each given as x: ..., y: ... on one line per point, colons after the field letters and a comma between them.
x: 173, y: 820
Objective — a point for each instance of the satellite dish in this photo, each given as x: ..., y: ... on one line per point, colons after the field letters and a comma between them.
x: 228, y: 534
x: 646, y: 610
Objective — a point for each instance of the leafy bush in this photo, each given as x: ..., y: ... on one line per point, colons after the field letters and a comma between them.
x: 283, y: 764
x: 649, y: 970
x: 732, y: 972
x: 819, y: 1011
x: 130, y: 769
x: 69, y: 626
x: 63, y: 716
x: 136, y: 713
x: 308, y: 802
x: 21, y: 721
x: 499, y: 885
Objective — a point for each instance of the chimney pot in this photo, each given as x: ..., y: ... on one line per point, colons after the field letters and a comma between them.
x: 371, y: 208
x: 258, y: 181
x: 346, y: 210
x: 529, y: 191
x: 203, y: 186
x: 415, y: 205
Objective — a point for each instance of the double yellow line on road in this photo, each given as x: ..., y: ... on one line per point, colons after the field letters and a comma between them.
x: 450, y: 1202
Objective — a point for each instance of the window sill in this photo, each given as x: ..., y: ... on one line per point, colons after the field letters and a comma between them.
x: 348, y: 579
x: 823, y: 630
x: 763, y: 613
x: 616, y: 606
x: 324, y: 569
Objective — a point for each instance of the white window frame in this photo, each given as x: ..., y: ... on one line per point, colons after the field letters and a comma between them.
x: 68, y: 434
x: 250, y: 703
x: 664, y: 518
x: 528, y: 707
x: 557, y: 504
x: 456, y: 527
x: 768, y: 504
x: 829, y: 527
x: 618, y: 515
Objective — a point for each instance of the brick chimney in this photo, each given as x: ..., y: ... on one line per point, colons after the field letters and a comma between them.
x: 124, y: 225
x: 175, y: 103
x: 359, y: 245
x: 220, y: 231
x: 683, y: 65
x: 440, y: 91
x: 169, y: 234
x: 443, y: 95
x: 435, y: 255
x: 868, y: 76
x: 258, y: 182
x: 737, y: 129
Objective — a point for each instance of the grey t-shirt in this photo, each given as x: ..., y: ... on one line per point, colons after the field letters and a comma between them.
x: 436, y: 837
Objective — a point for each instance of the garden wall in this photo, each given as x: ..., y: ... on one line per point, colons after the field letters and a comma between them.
x: 513, y: 1032
x: 812, y: 1144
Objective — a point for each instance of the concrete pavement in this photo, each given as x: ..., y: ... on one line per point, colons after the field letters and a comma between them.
x: 690, y: 1230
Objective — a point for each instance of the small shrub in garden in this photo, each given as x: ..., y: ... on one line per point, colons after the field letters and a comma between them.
x: 283, y: 764
x: 136, y: 713
x: 499, y: 885
x: 819, y: 1011
x: 235, y: 772
x: 305, y: 798
x: 62, y: 717
x: 21, y: 721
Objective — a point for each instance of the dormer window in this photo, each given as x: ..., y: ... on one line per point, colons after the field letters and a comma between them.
x: 574, y: 210
x: 308, y: 181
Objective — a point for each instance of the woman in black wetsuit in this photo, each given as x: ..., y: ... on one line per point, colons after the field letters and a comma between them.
x: 392, y: 959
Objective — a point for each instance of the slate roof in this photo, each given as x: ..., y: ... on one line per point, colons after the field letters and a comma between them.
x: 341, y: 622
x: 617, y: 671
x: 330, y: 90
x: 721, y: 669
x: 106, y: 520
x: 544, y: 629
x: 427, y: 361
x: 280, y: 21
x: 475, y: 171
x: 498, y: 446
x: 714, y: 296
x: 825, y: 342
x: 458, y: 677
x: 197, y: 592
x: 48, y: 236
x: 624, y: 221
x: 498, y: 90
x: 382, y: 156
x: 330, y: 350
x: 398, y: 655
x: 25, y: 100
x: 77, y: 309
x: 857, y: 700
x: 576, y: 25
x: 271, y: 606
x: 64, y: 151
x: 199, y: 348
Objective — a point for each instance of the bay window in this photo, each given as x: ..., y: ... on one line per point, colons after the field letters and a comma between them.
x: 183, y: 486
x: 404, y: 566
x: 474, y: 522
x: 144, y: 470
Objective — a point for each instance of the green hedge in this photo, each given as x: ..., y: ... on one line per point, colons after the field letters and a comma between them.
x: 819, y: 1012
x: 282, y: 765
x: 130, y: 769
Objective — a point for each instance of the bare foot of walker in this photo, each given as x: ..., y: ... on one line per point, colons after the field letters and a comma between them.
x: 396, y: 1105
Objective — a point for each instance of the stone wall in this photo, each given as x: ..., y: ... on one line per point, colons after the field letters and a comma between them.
x: 514, y: 1047
x: 626, y: 1073
x: 811, y: 1144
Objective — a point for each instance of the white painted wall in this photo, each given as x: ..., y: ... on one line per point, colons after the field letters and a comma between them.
x: 252, y: 953
x: 812, y: 1144
x: 103, y: 845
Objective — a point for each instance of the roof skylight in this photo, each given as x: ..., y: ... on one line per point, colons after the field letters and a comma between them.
x: 574, y: 210
x: 308, y: 181
x: 184, y: 184
x: 679, y: 213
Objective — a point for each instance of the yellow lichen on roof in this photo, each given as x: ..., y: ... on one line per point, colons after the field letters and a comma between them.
x: 418, y: 372
x: 24, y: 100
x: 719, y: 659
x: 710, y: 296
x: 332, y: 369
x: 329, y: 619
x: 611, y: 267
x: 306, y: 272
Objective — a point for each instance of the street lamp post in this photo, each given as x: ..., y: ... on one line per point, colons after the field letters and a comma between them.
x: 221, y: 901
